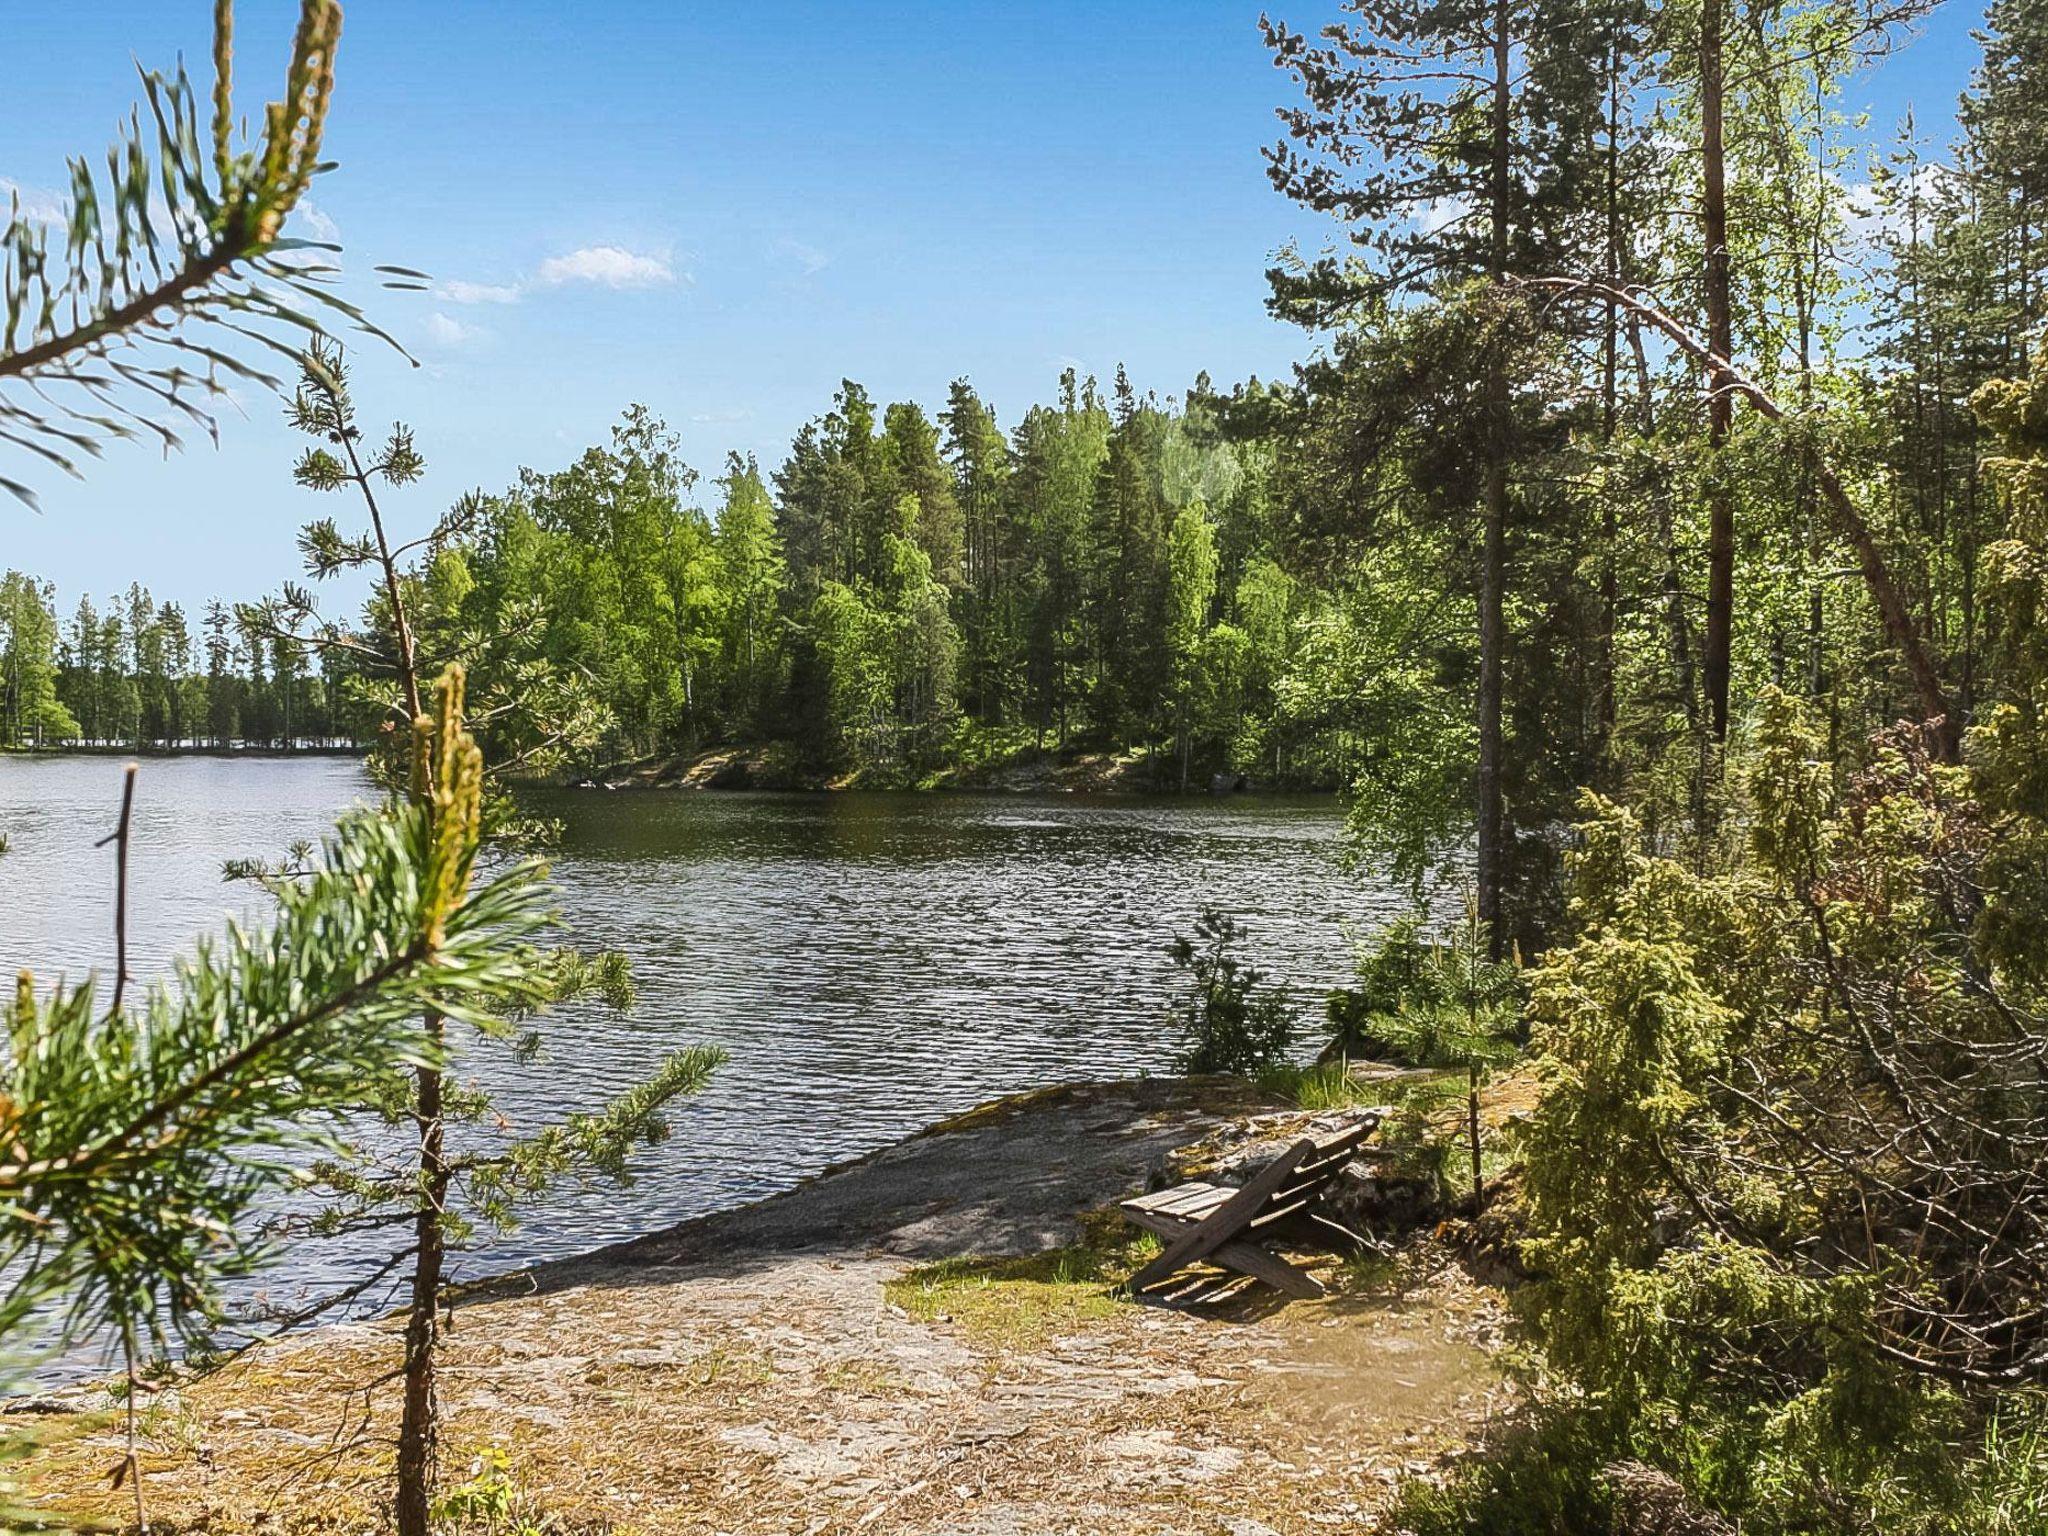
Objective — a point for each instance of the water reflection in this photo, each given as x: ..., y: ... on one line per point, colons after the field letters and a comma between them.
x: 871, y: 962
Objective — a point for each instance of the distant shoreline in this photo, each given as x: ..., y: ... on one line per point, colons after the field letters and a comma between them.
x: 184, y: 751
x: 766, y: 770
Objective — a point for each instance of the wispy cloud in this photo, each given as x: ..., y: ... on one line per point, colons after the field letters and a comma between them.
x: 39, y: 205
x: 1433, y: 214
x: 317, y: 221
x: 1876, y: 215
x: 447, y: 332
x: 721, y: 418
x: 807, y: 259
x: 608, y: 265
x: 456, y: 291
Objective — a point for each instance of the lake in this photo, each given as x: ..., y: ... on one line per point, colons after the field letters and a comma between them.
x: 872, y: 962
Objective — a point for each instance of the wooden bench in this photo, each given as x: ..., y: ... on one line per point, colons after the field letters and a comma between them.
x: 1231, y: 1227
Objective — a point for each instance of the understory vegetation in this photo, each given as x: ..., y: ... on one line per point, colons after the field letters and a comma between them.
x: 1653, y: 548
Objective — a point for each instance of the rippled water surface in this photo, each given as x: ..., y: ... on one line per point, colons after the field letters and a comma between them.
x: 872, y: 962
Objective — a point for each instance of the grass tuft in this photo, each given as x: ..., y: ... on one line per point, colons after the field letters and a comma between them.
x: 1019, y: 1301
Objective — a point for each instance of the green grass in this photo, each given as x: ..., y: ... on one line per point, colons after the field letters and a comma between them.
x: 1021, y: 1300
x: 2006, y: 1487
x: 1425, y: 1128
x: 1323, y: 1087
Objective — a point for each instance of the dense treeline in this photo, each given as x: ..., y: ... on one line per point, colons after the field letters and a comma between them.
x: 902, y: 595
x: 1647, y: 389
x: 905, y: 594
x: 136, y: 675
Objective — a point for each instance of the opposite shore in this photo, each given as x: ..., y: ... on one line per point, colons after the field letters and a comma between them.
x: 771, y: 767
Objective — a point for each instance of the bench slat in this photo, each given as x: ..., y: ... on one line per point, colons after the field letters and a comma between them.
x: 1201, y: 1220
x: 1181, y: 1198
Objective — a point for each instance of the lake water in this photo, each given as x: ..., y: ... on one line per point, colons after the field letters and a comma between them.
x: 871, y: 962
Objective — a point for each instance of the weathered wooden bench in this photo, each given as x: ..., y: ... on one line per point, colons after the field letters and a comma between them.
x: 1232, y: 1227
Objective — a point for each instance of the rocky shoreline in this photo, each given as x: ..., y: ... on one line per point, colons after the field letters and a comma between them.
x: 920, y: 1340
x: 1036, y: 772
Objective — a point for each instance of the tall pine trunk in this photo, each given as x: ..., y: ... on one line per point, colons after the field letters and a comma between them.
x: 1610, y: 379
x: 1491, y: 873
x: 1716, y: 664
x: 413, y: 1506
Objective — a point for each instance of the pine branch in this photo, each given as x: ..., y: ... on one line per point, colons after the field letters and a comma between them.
x: 182, y: 232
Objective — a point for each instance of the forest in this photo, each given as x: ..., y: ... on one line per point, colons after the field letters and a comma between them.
x: 1313, y: 582
x: 901, y: 596
x: 1651, y: 549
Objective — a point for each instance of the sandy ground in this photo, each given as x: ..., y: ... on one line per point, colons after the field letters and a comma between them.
x: 800, y: 1366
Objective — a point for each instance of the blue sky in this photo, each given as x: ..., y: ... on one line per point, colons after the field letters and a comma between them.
x: 720, y: 211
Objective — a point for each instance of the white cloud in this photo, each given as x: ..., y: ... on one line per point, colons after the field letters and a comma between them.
x: 1871, y: 220
x: 1438, y: 213
x: 721, y: 418
x: 609, y: 265
x: 317, y: 223
x: 456, y: 291
x: 39, y: 205
x: 808, y: 259
x: 450, y: 333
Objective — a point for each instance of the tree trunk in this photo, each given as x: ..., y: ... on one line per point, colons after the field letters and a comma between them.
x: 1610, y: 378
x: 1915, y: 652
x: 1491, y: 873
x: 1716, y: 664
x: 417, y: 1437
x: 1472, y: 1132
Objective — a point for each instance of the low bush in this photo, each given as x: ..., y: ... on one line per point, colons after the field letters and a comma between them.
x: 1233, y: 1018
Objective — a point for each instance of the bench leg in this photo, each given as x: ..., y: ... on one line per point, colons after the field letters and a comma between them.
x: 1251, y: 1259
x: 1246, y: 1258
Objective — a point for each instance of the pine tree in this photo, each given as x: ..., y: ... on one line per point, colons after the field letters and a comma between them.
x: 1190, y: 595
x: 992, y: 631
x: 753, y: 571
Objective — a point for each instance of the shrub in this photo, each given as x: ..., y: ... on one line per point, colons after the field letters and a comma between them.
x: 1787, y: 1184
x: 1426, y: 1002
x: 1539, y: 1477
x: 1232, y: 1019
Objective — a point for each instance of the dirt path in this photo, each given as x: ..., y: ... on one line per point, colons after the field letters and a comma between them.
x: 919, y: 1342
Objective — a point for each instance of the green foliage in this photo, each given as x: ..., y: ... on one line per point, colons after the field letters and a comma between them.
x: 1321, y: 1087
x: 2009, y: 745
x: 2005, y: 1488
x: 589, y: 1147
x: 1563, y: 1468
x: 1421, y: 1002
x: 1233, y: 1018
x: 184, y: 223
x: 1780, y: 1185
x: 31, y: 714
x: 1538, y: 1477
x: 533, y: 712
x: 491, y: 1502
x: 141, y: 1139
